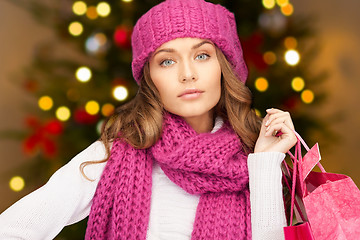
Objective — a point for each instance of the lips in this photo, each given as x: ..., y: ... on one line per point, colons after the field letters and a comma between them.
x: 191, y: 92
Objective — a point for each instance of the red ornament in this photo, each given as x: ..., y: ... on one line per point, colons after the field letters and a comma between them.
x: 43, y: 137
x: 53, y: 127
x: 252, y: 51
x: 82, y: 117
x: 122, y: 37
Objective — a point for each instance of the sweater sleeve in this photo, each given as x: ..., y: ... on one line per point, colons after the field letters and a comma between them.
x: 266, y: 196
x: 63, y: 200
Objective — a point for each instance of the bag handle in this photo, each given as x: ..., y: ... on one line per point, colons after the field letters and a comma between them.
x: 307, y: 149
x: 293, y: 185
x: 298, y: 162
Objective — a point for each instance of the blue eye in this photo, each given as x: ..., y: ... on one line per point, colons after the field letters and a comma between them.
x: 202, y: 56
x: 167, y: 62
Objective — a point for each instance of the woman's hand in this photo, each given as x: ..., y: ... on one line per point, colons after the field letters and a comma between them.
x: 276, y: 121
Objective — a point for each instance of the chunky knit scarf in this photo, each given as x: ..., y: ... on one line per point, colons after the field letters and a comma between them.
x: 210, y: 164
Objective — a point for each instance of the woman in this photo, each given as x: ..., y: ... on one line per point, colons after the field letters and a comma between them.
x: 186, y: 158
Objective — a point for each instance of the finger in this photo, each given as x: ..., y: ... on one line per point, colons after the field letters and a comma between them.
x: 274, y: 128
x: 283, y: 119
x: 280, y: 117
x: 284, y: 142
x: 275, y: 113
x: 273, y: 110
x: 263, y: 127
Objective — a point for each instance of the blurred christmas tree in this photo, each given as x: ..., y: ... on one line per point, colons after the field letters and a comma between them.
x: 76, y: 92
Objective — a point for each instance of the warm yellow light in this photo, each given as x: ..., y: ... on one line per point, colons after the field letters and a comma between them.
x: 83, y: 74
x: 107, y: 109
x: 120, y: 93
x: 91, y: 13
x: 17, y: 183
x: 268, y: 4
x: 92, y: 107
x: 292, y: 57
x: 261, y: 84
x: 45, y: 103
x: 269, y: 58
x: 257, y: 112
x: 287, y: 9
x: 103, y: 9
x: 63, y: 113
x: 290, y: 43
x: 307, y: 96
x: 282, y: 2
x: 79, y: 8
x: 76, y: 29
x: 298, y: 84
x: 127, y: 0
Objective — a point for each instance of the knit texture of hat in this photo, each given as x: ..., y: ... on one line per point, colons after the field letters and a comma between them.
x: 173, y: 19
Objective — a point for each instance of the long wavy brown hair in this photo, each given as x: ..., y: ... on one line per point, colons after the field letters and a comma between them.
x: 139, y: 122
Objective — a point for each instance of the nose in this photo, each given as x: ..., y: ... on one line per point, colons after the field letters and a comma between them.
x: 188, y: 72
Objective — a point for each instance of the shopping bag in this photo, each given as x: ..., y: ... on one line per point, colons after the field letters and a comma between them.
x: 301, y: 230
x: 329, y: 202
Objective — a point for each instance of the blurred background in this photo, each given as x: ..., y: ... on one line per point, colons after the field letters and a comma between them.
x: 65, y: 65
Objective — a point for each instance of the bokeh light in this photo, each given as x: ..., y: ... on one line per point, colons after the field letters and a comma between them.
x: 99, y: 126
x: 101, y: 38
x: 282, y: 2
x: 91, y: 13
x: 120, y: 93
x: 63, y: 113
x: 96, y: 43
x: 103, y: 9
x: 17, y: 183
x: 257, y: 112
x: 269, y: 57
x: 298, y: 84
x: 261, y: 84
x: 268, y: 4
x: 107, y: 109
x: 127, y: 1
x: 307, y: 96
x: 290, y: 42
x: 76, y: 29
x: 83, y: 74
x: 292, y: 57
x: 92, y: 107
x: 79, y: 8
x: 287, y: 10
x: 45, y: 103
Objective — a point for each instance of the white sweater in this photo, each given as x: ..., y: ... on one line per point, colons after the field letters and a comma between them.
x: 66, y: 199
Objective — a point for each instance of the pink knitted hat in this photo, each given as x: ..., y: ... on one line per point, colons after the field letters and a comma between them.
x: 186, y: 18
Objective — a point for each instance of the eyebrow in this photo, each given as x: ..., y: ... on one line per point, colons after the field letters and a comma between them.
x: 193, y: 47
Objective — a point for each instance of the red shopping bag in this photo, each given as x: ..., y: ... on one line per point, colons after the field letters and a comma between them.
x: 329, y: 202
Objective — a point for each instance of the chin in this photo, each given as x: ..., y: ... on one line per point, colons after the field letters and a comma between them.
x: 193, y: 113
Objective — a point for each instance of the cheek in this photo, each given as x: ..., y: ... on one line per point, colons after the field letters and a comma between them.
x: 217, y: 89
x: 156, y: 78
x: 214, y: 77
x: 162, y: 85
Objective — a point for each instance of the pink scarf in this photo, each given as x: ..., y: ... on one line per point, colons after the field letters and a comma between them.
x: 210, y: 164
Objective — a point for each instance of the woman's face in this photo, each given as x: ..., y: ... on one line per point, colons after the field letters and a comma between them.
x: 187, y: 74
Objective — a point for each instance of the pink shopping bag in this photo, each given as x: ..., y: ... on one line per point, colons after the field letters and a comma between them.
x: 301, y: 230
x: 329, y: 202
